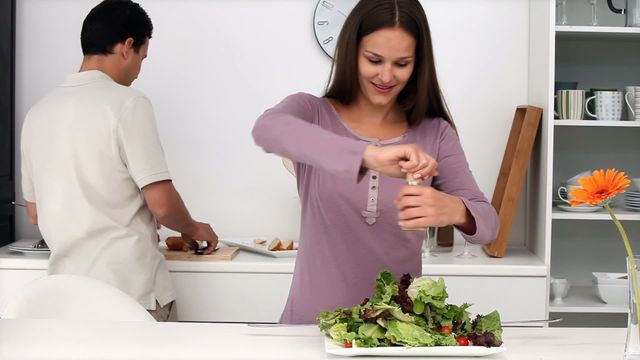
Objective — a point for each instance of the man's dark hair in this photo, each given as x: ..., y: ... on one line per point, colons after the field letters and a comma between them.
x: 112, y: 22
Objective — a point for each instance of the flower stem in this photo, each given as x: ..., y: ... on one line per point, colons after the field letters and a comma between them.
x: 632, y: 261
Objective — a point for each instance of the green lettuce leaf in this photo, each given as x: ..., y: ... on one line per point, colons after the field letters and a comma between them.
x: 444, y: 339
x: 386, y: 287
x: 489, y: 323
x: 429, y: 292
x: 339, y: 333
x: 408, y: 334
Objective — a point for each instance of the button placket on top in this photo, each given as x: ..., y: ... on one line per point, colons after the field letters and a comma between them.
x: 371, y: 213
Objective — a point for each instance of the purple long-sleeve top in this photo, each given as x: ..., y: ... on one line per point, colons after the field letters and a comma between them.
x: 349, y: 230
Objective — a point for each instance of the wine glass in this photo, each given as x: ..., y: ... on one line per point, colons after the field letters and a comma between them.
x: 594, y: 16
x: 466, y: 253
x: 429, y: 233
x: 561, y: 12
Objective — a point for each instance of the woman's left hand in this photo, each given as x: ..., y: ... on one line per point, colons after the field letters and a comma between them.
x: 423, y: 206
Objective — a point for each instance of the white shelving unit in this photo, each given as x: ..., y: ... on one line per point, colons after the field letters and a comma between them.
x: 577, y: 244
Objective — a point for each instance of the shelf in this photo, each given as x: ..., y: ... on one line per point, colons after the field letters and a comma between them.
x: 622, y: 123
x: 621, y: 214
x: 597, y: 32
x: 583, y: 299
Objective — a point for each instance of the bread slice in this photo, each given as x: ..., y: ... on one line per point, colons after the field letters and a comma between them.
x: 275, y: 244
x: 287, y: 245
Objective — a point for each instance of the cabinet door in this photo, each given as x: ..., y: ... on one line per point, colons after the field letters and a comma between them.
x: 231, y: 297
x: 7, y: 45
x: 515, y: 298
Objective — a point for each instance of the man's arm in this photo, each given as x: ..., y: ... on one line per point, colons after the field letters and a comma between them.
x: 32, y: 212
x: 167, y: 206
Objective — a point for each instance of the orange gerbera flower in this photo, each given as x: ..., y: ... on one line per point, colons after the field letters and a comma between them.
x: 599, y: 187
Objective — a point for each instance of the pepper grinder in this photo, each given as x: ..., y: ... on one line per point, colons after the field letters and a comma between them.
x: 429, y: 232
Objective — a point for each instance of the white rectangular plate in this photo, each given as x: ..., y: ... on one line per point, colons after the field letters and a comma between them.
x: 249, y: 245
x: 26, y: 246
x: 444, y: 351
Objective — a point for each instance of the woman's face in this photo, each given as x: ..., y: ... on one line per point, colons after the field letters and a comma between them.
x: 385, y: 62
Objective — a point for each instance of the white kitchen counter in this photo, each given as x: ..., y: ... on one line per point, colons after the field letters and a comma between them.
x: 225, y: 291
x: 55, y: 339
x: 518, y: 262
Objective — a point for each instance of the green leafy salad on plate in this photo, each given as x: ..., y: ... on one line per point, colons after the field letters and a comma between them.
x: 411, y: 313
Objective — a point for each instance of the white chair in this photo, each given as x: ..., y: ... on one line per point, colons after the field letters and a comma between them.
x: 73, y: 297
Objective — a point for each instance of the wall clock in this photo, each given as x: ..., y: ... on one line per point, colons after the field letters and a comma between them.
x: 328, y: 20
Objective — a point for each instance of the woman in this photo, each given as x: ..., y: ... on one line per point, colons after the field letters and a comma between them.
x: 383, y: 115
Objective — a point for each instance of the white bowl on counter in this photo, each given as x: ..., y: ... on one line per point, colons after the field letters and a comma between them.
x: 612, y: 288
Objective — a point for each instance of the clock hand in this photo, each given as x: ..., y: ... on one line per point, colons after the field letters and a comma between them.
x: 341, y: 12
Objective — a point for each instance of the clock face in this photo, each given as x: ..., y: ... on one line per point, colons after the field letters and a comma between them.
x: 328, y: 20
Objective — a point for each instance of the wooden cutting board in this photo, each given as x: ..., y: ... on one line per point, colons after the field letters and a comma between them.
x: 223, y: 253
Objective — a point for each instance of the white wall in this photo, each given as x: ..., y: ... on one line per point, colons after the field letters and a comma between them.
x: 215, y: 65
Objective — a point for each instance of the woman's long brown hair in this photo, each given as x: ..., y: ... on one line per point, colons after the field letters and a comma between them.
x: 421, y: 98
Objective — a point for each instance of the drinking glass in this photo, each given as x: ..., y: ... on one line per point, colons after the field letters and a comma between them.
x: 594, y: 15
x: 466, y: 253
x: 427, y: 243
x: 561, y: 12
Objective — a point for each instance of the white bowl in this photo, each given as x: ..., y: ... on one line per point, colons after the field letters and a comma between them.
x: 611, y: 278
x: 636, y: 182
x: 613, y: 294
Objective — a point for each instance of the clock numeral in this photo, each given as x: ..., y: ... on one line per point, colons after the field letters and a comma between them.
x: 327, y: 4
x: 323, y: 22
x: 327, y: 40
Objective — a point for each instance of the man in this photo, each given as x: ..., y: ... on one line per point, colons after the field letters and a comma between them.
x: 94, y: 174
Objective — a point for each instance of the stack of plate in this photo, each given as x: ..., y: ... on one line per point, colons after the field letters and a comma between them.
x: 28, y: 247
x: 632, y: 200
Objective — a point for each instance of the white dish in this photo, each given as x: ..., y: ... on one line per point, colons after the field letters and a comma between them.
x: 27, y: 248
x: 613, y: 294
x: 579, y: 209
x: 443, y: 351
x: 250, y: 245
x: 611, y: 278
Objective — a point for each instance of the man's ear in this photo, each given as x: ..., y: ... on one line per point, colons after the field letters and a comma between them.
x: 127, y: 48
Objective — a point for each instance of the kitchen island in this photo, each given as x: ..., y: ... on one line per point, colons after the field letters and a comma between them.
x: 254, y: 288
x: 57, y: 339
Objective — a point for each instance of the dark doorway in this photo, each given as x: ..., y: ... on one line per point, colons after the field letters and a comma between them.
x: 7, y: 143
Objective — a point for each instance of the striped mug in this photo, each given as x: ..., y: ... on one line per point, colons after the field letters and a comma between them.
x: 570, y: 104
x: 632, y: 98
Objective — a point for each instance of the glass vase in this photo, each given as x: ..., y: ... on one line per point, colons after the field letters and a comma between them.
x: 632, y: 344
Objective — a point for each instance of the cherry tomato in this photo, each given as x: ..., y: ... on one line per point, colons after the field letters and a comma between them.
x: 348, y: 344
x: 462, y: 341
x: 445, y: 329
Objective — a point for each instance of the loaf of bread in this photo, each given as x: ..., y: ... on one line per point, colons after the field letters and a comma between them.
x: 176, y: 243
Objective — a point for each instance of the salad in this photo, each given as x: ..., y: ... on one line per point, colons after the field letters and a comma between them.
x: 410, y: 313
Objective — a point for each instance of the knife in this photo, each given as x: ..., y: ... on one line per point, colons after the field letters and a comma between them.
x: 548, y: 321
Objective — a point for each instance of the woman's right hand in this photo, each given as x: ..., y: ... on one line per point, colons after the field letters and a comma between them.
x: 398, y: 160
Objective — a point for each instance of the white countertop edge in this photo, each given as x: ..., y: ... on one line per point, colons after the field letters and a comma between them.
x: 518, y: 262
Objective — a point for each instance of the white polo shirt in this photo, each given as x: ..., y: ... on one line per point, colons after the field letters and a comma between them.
x: 88, y: 147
